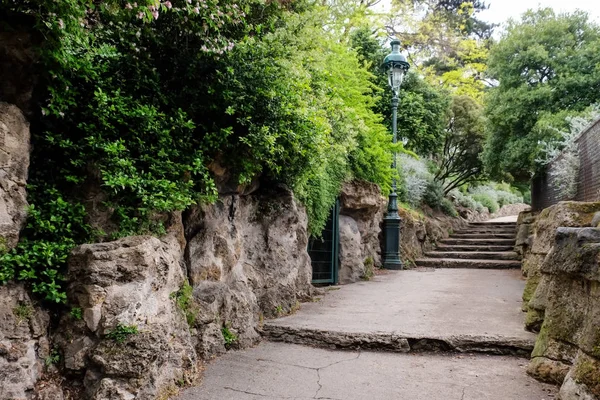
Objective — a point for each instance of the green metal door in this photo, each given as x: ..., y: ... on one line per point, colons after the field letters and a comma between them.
x: 324, y: 251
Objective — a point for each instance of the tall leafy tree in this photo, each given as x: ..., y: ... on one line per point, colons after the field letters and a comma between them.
x: 545, y: 64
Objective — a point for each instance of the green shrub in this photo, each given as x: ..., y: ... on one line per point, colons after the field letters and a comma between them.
x: 433, y: 195
x: 185, y: 302
x: 229, y: 337
x: 448, y: 208
x: 487, y: 201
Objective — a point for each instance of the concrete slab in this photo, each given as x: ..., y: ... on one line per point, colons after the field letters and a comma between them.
x: 510, y: 218
x: 463, y: 309
x: 276, y: 371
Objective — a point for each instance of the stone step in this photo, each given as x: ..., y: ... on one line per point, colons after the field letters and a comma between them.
x: 488, y: 242
x: 472, y: 229
x: 467, y: 263
x: 501, y: 224
x: 473, y: 248
x: 474, y: 255
x: 479, y: 235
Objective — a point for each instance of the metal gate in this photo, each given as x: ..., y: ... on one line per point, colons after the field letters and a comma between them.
x: 324, y: 251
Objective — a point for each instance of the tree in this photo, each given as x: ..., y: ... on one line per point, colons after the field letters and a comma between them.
x: 463, y: 143
x: 545, y: 64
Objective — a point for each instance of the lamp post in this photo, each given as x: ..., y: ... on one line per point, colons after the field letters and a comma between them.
x: 395, y: 65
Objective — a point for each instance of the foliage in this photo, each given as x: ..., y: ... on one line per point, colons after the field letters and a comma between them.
x: 185, y: 302
x: 229, y: 337
x: 447, y: 207
x: 122, y: 332
x: 54, y: 226
x: 434, y: 195
x: 369, y: 269
x: 460, y: 161
x: 414, y: 179
x: 76, y: 313
x: 487, y: 200
x: 53, y: 358
x: 464, y: 200
x: 545, y: 64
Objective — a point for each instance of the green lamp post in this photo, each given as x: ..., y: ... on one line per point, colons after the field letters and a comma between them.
x: 396, y: 66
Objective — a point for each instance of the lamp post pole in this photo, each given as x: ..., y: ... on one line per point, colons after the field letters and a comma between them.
x: 396, y: 67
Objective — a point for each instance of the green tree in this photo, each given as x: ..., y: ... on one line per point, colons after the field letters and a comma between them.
x: 545, y: 64
x: 460, y: 161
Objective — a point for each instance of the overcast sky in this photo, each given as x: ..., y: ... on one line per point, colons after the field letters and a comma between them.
x: 501, y: 10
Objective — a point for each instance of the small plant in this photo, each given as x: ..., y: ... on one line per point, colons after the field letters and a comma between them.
x: 279, y: 310
x: 122, y: 332
x: 369, y: 269
x: 53, y: 358
x: 23, y: 312
x: 76, y: 313
x: 185, y: 301
x: 229, y: 337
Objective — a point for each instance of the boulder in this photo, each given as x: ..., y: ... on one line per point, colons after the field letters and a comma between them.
x: 23, y: 343
x: 362, y: 201
x: 14, y: 164
x: 133, y: 340
x: 247, y: 258
x: 352, y: 266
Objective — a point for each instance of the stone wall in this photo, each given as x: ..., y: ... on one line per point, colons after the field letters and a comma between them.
x: 14, y: 164
x: 361, y: 215
x: 561, y: 249
x: 247, y: 258
x: 535, y: 240
x: 23, y: 343
x: 567, y: 350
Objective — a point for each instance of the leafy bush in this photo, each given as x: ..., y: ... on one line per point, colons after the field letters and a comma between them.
x: 487, y: 201
x: 448, y: 208
x: 434, y: 195
x: 415, y: 178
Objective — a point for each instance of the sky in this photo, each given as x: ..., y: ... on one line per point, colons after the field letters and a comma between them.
x: 501, y: 10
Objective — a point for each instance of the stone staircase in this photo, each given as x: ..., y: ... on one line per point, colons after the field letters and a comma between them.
x: 480, y: 245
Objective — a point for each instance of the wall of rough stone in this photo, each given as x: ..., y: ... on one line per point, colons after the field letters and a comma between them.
x: 14, y: 165
x: 562, y: 297
x: 361, y: 215
x: 535, y: 239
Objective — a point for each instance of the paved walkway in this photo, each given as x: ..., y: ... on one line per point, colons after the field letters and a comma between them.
x: 451, y: 308
x: 470, y: 312
x: 275, y: 371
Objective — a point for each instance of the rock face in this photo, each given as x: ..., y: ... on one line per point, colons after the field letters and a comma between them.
x: 567, y: 350
x: 132, y: 340
x: 23, y: 343
x: 17, y: 65
x: 14, y: 164
x: 537, y: 240
x: 247, y: 258
x: 361, y: 215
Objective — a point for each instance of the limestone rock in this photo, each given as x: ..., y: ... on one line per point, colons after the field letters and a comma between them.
x: 248, y: 259
x: 127, y: 283
x: 363, y: 202
x: 23, y: 328
x: 352, y: 267
x: 14, y: 164
x: 568, y: 345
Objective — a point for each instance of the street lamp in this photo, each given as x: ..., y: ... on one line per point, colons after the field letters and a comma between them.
x: 395, y: 65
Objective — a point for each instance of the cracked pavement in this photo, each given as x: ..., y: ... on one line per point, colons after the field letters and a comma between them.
x: 287, y: 371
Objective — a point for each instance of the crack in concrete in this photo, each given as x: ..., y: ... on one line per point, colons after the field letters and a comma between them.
x: 463, y: 393
x: 250, y: 393
x: 316, y: 369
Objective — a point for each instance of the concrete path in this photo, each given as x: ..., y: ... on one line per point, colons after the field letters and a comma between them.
x: 422, y: 309
x: 510, y: 218
x: 275, y: 371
